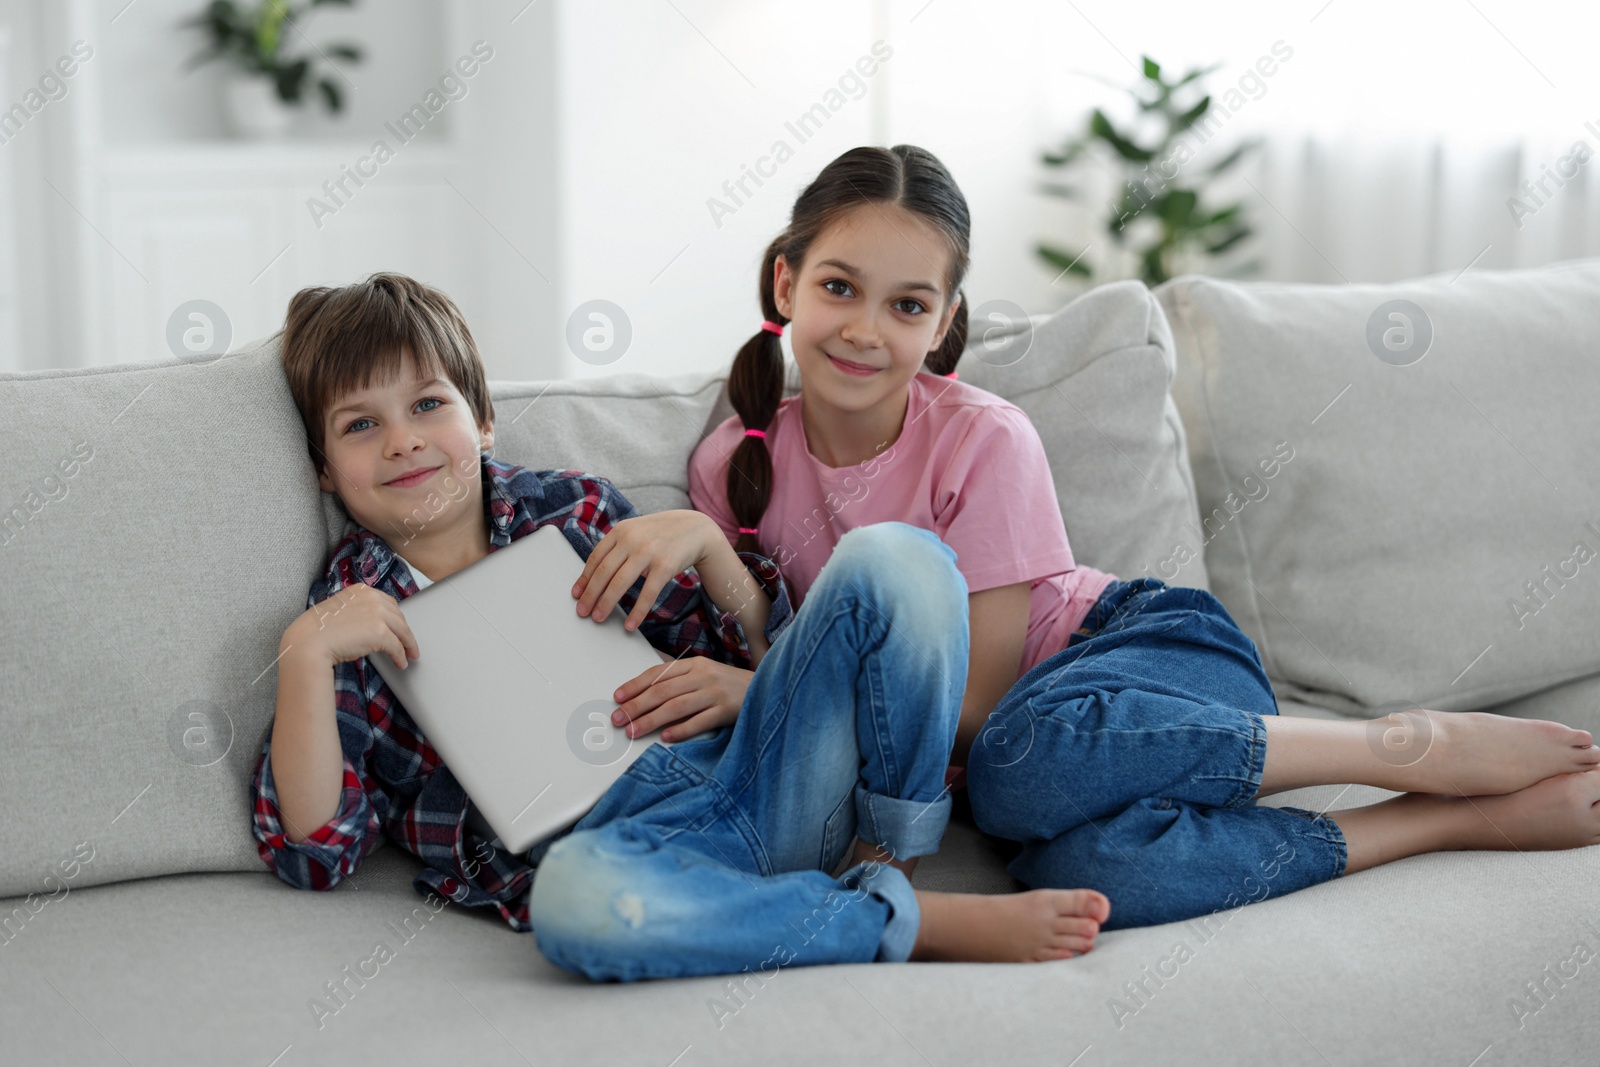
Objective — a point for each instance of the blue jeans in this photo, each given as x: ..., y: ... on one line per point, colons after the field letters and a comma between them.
x: 713, y: 855
x: 1128, y: 762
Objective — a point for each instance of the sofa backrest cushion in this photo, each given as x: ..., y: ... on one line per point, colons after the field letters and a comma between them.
x: 1431, y: 526
x: 161, y: 528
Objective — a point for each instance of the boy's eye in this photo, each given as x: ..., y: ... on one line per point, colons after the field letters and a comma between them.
x: 352, y: 428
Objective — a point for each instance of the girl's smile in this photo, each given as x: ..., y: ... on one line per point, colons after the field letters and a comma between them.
x: 852, y: 368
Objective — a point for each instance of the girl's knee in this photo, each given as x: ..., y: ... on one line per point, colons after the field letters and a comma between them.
x: 1106, y: 854
x: 870, y: 548
x: 903, y: 566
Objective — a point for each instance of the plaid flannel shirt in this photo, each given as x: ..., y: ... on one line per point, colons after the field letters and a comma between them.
x: 394, y: 780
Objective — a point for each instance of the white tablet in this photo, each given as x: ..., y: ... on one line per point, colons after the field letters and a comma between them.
x: 514, y: 687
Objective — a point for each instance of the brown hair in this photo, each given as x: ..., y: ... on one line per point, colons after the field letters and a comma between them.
x: 905, y: 175
x: 338, y: 340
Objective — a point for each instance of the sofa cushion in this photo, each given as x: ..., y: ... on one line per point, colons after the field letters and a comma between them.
x: 161, y: 528
x: 1431, y: 526
x: 374, y: 973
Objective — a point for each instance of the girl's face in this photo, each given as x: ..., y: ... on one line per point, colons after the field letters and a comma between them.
x: 866, y: 307
x: 383, y: 432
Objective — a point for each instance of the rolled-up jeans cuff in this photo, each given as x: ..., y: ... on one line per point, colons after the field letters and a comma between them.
x: 905, y: 828
x: 1328, y: 832
x: 890, y: 885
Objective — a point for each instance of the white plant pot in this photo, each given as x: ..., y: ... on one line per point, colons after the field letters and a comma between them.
x: 253, y: 108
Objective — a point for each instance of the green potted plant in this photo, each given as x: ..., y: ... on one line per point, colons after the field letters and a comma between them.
x: 1158, y: 215
x: 269, y: 80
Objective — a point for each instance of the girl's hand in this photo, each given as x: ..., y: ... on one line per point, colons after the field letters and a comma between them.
x: 702, y: 691
x: 659, y: 546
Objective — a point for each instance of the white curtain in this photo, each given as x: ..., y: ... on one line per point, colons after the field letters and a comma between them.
x: 1380, y: 208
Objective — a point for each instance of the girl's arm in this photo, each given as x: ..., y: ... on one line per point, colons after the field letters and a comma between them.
x: 691, y: 694
x: 998, y: 619
x: 731, y: 586
x: 659, y: 547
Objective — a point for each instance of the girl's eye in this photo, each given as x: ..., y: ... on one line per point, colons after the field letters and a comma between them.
x: 916, y: 306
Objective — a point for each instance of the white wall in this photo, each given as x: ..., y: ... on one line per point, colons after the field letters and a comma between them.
x: 580, y: 165
x: 146, y: 48
x: 659, y: 110
x: 37, y: 215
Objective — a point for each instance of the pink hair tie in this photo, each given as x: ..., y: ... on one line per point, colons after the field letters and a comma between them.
x: 772, y: 327
x: 747, y: 530
x: 952, y: 374
x: 756, y: 433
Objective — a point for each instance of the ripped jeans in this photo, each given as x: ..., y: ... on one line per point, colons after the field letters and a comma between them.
x: 713, y: 855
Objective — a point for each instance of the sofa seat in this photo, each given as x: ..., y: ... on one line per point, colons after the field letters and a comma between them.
x: 1423, y: 961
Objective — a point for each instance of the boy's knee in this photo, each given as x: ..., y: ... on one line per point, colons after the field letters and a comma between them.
x: 583, y: 904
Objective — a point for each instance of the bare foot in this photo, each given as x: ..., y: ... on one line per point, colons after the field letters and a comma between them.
x: 1562, y: 811
x: 1042, y: 924
x: 1475, y: 753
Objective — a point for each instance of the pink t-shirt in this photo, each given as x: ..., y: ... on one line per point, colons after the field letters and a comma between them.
x: 967, y: 465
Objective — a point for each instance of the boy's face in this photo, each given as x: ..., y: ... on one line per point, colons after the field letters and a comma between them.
x: 375, y: 436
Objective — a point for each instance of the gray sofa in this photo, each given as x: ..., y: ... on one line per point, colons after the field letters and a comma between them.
x: 1426, y: 540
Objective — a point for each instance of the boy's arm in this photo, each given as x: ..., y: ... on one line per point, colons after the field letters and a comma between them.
x: 307, y: 763
x: 317, y: 810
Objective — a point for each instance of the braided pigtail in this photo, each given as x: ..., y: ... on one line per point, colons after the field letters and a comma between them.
x: 755, y: 387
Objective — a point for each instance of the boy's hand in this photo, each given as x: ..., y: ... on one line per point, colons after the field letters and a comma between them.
x: 659, y: 546
x: 706, y: 693
x: 356, y: 621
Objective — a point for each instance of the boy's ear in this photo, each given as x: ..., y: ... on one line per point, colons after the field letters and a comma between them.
x: 486, y: 437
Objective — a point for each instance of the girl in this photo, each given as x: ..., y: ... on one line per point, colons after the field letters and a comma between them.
x: 1129, y: 754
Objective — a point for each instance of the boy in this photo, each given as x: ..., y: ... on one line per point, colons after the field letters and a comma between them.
x: 703, y: 853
